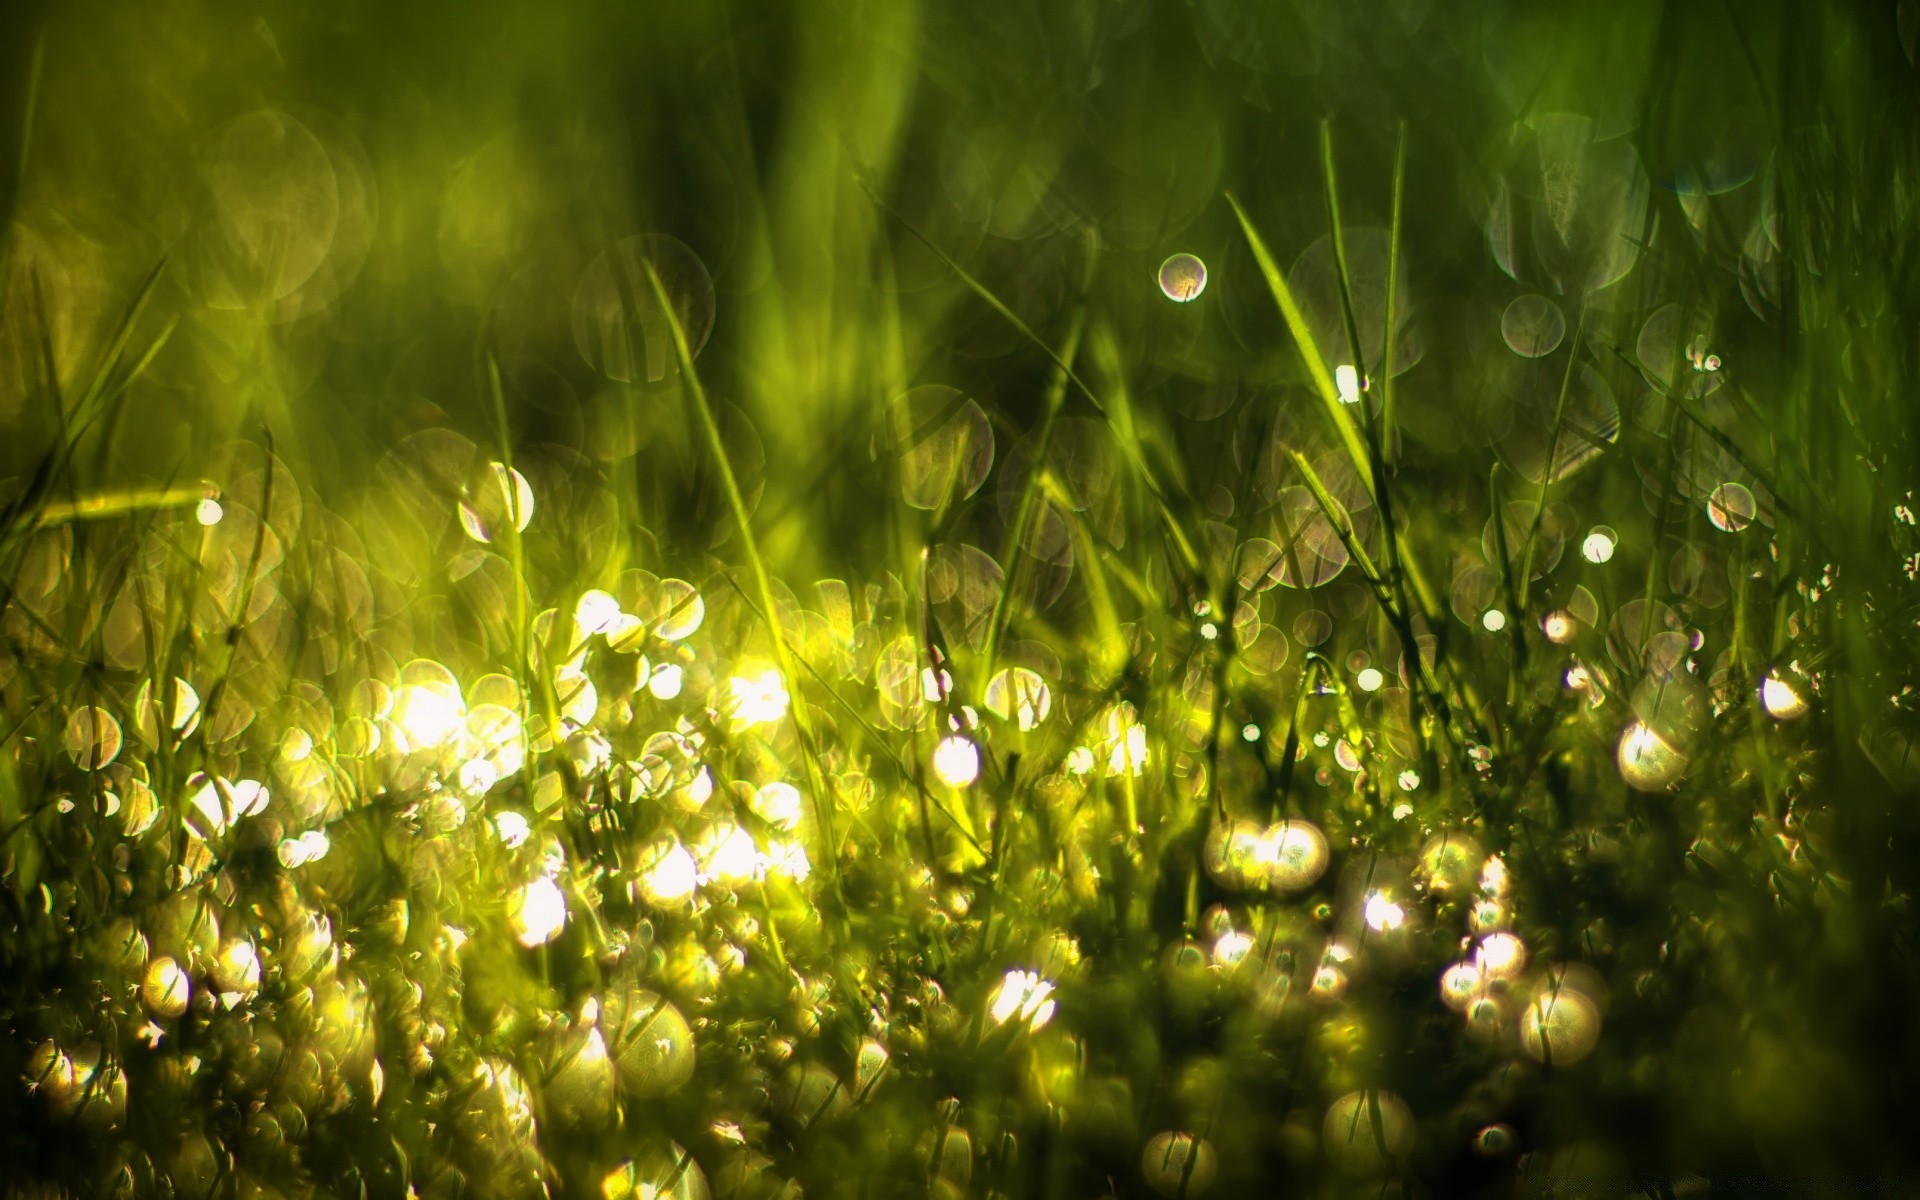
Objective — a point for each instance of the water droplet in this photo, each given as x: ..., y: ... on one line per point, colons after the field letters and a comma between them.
x: 1179, y: 1164
x: 1781, y: 699
x: 1020, y: 695
x: 618, y: 324
x: 1368, y: 1133
x: 498, y: 499
x: 1560, y: 1026
x: 1182, y: 278
x: 1648, y: 762
x: 1731, y: 507
x: 945, y: 443
x: 92, y: 737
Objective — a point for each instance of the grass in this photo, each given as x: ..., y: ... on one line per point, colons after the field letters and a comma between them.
x: 1148, y: 770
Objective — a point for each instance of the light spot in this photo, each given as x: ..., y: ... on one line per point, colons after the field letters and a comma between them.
x: 208, y: 512
x: 166, y: 989
x: 1231, y: 947
x: 665, y: 681
x: 1370, y: 680
x: 1493, y: 620
x: 512, y: 829
x: 1382, y: 914
x: 1023, y: 997
x: 672, y: 874
x: 596, y: 612
x: 538, y: 912
x: 956, y: 761
x: 1299, y: 855
x: 1459, y: 984
x: 428, y: 715
x: 779, y: 805
x: 1598, y: 546
x: 757, y: 699
x: 1781, y: 700
x: 1502, y: 956
x: 726, y: 853
x: 1346, y: 381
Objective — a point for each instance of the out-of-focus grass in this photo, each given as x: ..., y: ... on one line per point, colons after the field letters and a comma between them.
x: 1525, y: 498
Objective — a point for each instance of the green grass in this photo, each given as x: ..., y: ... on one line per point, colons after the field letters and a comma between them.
x: 341, y: 279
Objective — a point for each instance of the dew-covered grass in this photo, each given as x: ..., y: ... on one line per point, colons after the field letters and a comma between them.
x: 1011, y: 600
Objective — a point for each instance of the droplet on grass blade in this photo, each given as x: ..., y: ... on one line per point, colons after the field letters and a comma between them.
x: 1648, y: 762
x: 498, y: 499
x: 675, y: 610
x: 1731, y: 507
x: 1781, y: 699
x: 1496, y: 1141
x: 1368, y: 1133
x: 165, y: 990
x: 618, y: 324
x: 1179, y: 1164
x: 92, y: 737
x: 1236, y: 854
x: 945, y: 443
x: 1533, y: 326
x: 1182, y: 278
x: 1560, y: 1026
x: 1019, y: 695
x: 1299, y: 855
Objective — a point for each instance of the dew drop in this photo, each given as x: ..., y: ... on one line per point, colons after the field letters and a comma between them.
x: 1182, y: 278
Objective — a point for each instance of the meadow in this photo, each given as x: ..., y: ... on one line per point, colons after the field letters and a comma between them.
x: 867, y: 598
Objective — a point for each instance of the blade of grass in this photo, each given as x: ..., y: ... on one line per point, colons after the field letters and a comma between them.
x: 803, y: 724
x: 1553, y: 453
x: 1303, y: 340
x: 1030, y: 490
x: 1389, y: 419
x: 1349, y: 434
x: 1431, y: 690
x: 1500, y: 548
x: 1113, y: 409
